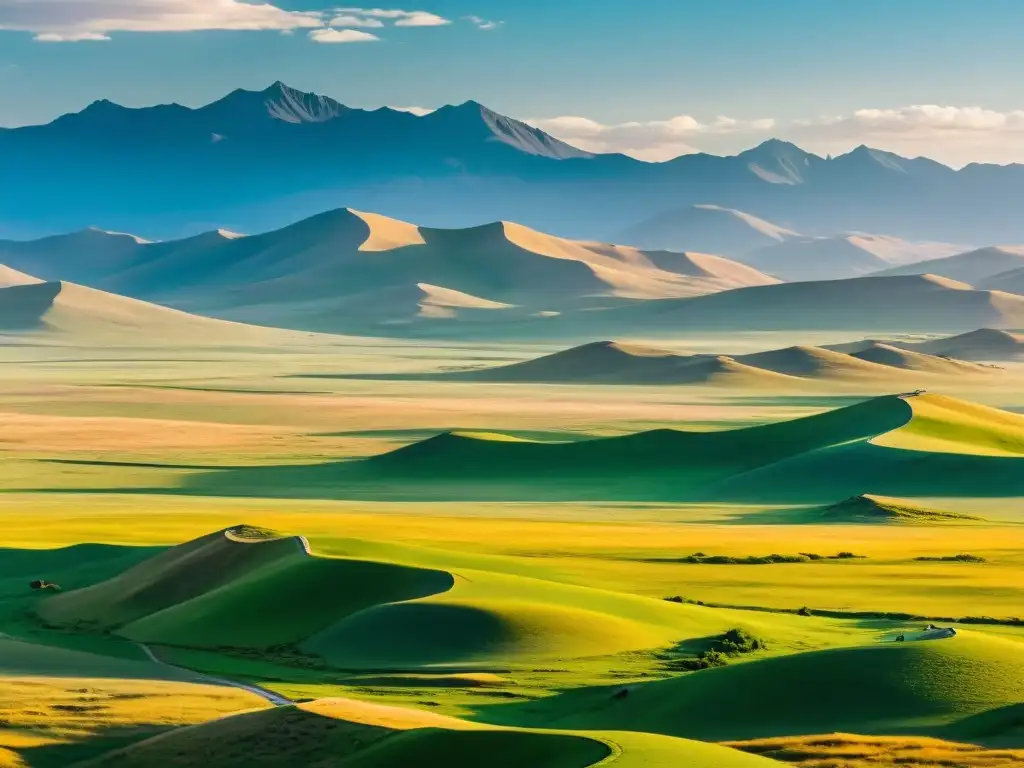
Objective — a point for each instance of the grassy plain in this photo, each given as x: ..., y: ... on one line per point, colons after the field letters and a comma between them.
x: 513, y: 614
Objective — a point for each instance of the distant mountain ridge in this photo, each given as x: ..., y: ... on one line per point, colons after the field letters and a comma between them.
x: 258, y: 159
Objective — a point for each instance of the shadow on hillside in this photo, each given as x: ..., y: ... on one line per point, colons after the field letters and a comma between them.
x: 73, y: 752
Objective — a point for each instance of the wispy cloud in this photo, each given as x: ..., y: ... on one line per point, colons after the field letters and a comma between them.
x: 481, y: 23
x: 352, y: 20
x: 68, y: 21
x: 950, y: 134
x: 652, y: 140
x: 335, y: 36
x: 399, y: 18
x: 85, y: 20
x: 954, y: 135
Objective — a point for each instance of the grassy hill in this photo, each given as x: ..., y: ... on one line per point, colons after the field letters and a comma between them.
x: 350, y: 733
x: 911, y: 445
x: 919, y: 686
x: 870, y: 508
x: 400, y: 610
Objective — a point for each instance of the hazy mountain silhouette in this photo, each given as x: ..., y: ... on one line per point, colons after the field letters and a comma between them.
x: 253, y: 160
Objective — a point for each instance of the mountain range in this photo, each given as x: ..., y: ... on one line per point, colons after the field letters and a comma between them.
x: 255, y: 160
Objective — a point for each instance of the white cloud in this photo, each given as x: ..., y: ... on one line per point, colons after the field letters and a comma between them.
x: 75, y: 37
x: 920, y: 119
x: 481, y: 23
x: 954, y: 135
x: 422, y: 19
x: 418, y: 111
x: 654, y: 140
x: 351, y: 20
x: 328, y: 35
x: 79, y: 20
x: 398, y: 17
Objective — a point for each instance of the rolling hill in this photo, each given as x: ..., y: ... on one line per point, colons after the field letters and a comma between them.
x: 984, y: 344
x: 922, y: 687
x: 844, y: 256
x: 361, y: 612
x: 355, y: 270
x: 364, y: 735
x: 974, y: 267
x: 903, y: 446
x: 65, y: 313
x: 706, y: 228
x: 900, y: 304
x: 609, y: 362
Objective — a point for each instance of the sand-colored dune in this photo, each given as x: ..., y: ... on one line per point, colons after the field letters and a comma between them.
x: 608, y: 362
x: 907, y: 359
x: 705, y: 228
x: 899, y: 304
x: 844, y: 256
x: 10, y: 277
x: 305, y: 273
x: 984, y: 344
x: 974, y: 267
x: 59, y: 312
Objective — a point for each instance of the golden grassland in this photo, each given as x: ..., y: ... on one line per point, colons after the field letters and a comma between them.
x: 96, y: 447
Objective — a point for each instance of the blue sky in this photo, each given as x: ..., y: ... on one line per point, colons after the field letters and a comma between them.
x: 652, y: 77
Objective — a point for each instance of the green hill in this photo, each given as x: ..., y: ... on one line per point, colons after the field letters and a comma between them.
x: 919, y: 686
x: 219, y: 590
x: 339, y: 732
x: 869, y: 508
x: 901, y: 445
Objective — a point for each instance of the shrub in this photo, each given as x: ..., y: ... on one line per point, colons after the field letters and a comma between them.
x: 737, y: 641
x: 963, y: 557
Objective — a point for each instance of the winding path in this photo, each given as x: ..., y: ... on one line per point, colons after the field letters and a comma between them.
x: 274, y: 698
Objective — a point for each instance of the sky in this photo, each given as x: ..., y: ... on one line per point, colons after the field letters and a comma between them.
x: 653, y: 78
